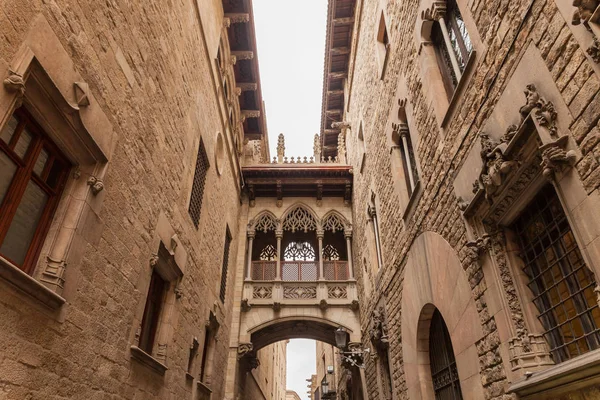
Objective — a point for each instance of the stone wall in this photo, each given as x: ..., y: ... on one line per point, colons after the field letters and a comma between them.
x: 151, y: 71
x: 501, y: 32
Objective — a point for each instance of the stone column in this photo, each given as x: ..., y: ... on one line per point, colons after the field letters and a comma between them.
x: 348, y: 236
x: 404, y: 132
x: 279, y: 235
x: 250, y: 235
x: 320, y: 235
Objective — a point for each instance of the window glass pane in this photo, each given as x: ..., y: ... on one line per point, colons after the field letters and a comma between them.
x: 9, y: 129
x: 24, y: 224
x: 7, y: 171
x: 23, y: 143
x: 55, y: 174
x: 40, y: 163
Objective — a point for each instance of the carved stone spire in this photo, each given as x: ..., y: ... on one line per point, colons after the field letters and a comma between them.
x: 317, y: 148
x: 342, y: 147
x: 280, y: 148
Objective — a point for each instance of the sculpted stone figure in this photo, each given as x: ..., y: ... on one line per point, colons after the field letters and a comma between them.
x: 495, y: 166
x: 378, y: 331
x: 533, y: 100
x: 585, y: 10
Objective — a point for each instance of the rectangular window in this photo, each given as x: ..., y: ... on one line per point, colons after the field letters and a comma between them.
x: 33, y: 173
x: 562, y: 284
x: 152, y: 311
x: 225, y: 265
x: 205, y: 349
x: 195, y: 206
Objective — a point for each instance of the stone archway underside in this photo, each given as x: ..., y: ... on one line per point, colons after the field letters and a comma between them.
x: 293, y: 329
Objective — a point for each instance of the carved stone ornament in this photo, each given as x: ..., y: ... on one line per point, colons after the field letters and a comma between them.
x: 529, y: 352
x: 244, y: 349
x: 253, y: 362
x: 546, y: 116
x: 15, y: 83
x: 245, y: 305
x: 280, y: 148
x: 495, y: 167
x: 96, y: 184
x: 342, y: 125
x: 379, y: 331
x: 533, y: 100
x: 154, y: 260
x: 555, y: 158
x: 594, y: 50
x: 510, y: 133
x: 81, y: 93
x: 477, y: 247
x: 435, y: 12
x: 584, y: 11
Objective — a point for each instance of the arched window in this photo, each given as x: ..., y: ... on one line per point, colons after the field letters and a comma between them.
x: 452, y: 44
x: 269, y: 253
x: 299, y: 251
x: 444, y: 373
x: 562, y: 284
x: 330, y: 253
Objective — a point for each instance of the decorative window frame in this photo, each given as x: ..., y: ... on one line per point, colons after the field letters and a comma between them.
x: 430, y: 68
x: 528, y: 156
x: 362, y: 145
x: 173, y: 274
x: 401, y: 115
x: 42, y: 77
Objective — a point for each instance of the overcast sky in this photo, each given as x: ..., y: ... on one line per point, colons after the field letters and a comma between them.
x: 290, y: 37
x: 291, y: 50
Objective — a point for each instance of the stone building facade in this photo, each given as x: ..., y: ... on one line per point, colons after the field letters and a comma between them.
x: 472, y: 128
x: 124, y: 128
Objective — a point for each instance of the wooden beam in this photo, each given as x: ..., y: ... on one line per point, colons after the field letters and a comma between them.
x: 340, y: 51
x: 343, y: 21
x: 238, y: 18
x: 243, y: 55
x: 250, y: 114
x: 331, y: 131
x: 338, y: 92
x: 334, y: 112
x: 247, y: 86
x: 253, y: 135
x: 337, y: 75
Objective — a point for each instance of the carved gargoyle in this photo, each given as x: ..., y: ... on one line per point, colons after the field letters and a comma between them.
x: 584, y: 11
x: 244, y: 349
x: 379, y: 331
x: 495, y: 166
x: 510, y: 133
x: 555, y: 158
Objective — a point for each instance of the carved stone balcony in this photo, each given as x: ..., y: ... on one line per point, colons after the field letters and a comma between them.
x: 322, y: 293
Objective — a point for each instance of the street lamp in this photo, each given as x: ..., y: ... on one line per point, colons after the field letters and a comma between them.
x: 355, y: 356
x: 324, y: 387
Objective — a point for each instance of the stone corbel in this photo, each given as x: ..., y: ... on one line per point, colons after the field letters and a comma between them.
x: 14, y: 83
x: 154, y: 260
x: 529, y: 353
x: 161, y: 352
x: 276, y: 306
x: 81, y: 93
x: 96, y: 185
x: 245, y: 306
x: 476, y: 248
x: 435, y: 12
x: 279, y: 202
x: 323, y: 304
x: 53, y: 275
x: 555, y: 158
x: 244, y: 349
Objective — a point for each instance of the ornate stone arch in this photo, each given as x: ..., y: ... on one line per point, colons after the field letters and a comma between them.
x: 334, y: 221
x: 265, y: 221
x: 300, y: 217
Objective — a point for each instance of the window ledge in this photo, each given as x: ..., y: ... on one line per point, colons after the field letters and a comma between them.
x: 29, y: 286
x: 459, y: 88
x: 579, y: 371
x: 145, y: 358
x: 204, y: 388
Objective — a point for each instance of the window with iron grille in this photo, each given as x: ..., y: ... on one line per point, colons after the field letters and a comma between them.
x: 202, y: 165
x: 33, y: 173
x: 225, y: 265
x: 444, y: 373
x: 562, y: 284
